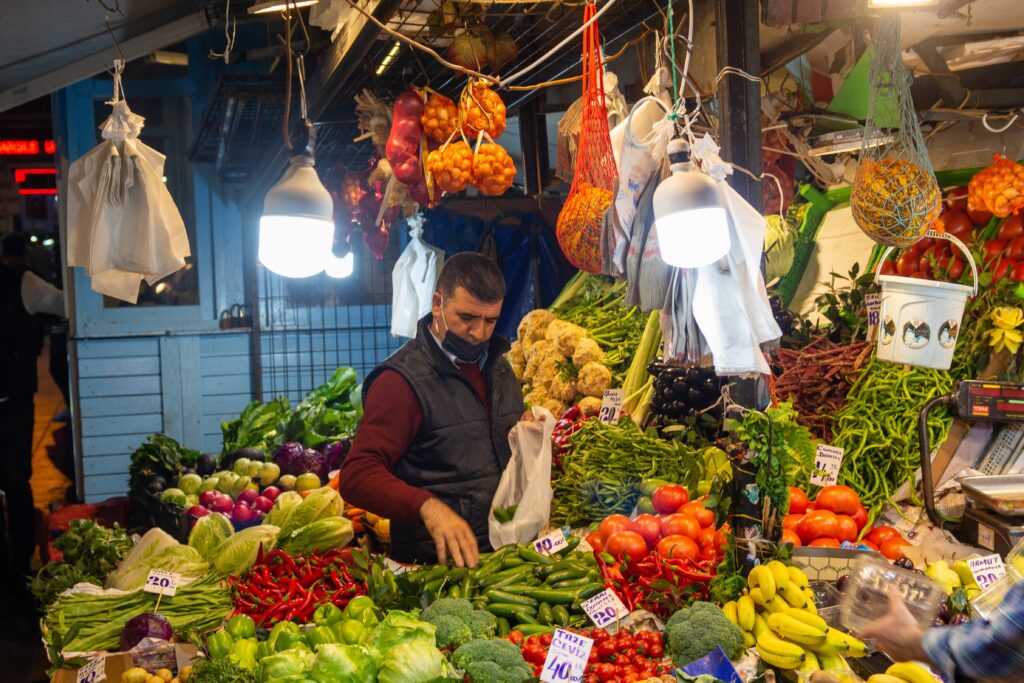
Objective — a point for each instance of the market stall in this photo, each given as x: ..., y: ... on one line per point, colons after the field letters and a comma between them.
x: 773, y: 374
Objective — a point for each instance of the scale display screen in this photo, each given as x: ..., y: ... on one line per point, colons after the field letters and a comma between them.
x: 996, y: 401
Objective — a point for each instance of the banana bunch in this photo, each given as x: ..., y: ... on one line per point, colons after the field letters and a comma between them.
x: 778, y: 616
x: 903, y: 672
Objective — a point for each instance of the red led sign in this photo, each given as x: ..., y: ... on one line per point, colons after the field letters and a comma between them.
x: 27, y: 147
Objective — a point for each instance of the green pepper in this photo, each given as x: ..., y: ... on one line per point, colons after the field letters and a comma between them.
x: 264, y: 650
x: 327, y: 614
x: 243, y: 653
x: 321, y: 635
x: 283, y: 635
x: 241, y: 626
x: 362, y: 609
x: 219, y: 644
x: 351, y: 631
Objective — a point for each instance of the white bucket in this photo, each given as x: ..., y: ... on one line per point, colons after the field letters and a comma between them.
x: 919, y: 321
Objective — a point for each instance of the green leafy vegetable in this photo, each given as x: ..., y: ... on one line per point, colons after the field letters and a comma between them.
x: 90, y: 552
x: 344, y: 664
x: 256, y: 427
x: 208, y: 533
x: 414, y: 661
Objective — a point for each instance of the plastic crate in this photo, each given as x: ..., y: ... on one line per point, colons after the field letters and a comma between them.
x: 807, y: 232
x: 827, y: 564
x: 107, y: 513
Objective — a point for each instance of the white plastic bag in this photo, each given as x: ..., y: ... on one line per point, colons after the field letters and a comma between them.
x: 526, y: 482
x: 413, y: 281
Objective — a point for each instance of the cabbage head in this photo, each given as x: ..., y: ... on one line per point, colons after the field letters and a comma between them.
x: 344, y: 664
x: 291, y: 664
x: 209, y: 532
x: 415, y: 661
x: 401, y: 627
x: 235, y: 555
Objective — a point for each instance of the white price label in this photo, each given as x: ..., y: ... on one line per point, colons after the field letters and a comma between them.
x: 551, y: 543
x: 567, y: 658
x: 605, y: 608
x: 986, y: 537
x: 827, y: 462
x: 611, y: 405
x: 161, y: 582
x: 397, y: 568
x: 987, y: 570
x: 873, y: 303
x: 94, y: 672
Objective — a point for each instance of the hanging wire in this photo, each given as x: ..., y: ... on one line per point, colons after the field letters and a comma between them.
x: 286, y: 122
x: 229, y: 38
x: 110, y: 33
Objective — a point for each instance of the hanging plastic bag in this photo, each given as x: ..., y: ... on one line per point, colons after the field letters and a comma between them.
x: 895, y: 196
x: 413, y: 281
x: 580, y: 222
x: 524, y: 493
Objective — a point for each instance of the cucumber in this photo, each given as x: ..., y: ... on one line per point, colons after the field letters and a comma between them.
x: 503, y: 627
x: 525, y: 618
x: 494, y: 596
x: 532, y: 556
x: 589, y: 591
x: 555, y: 597
x: 510, y: 561
x: 513, y: 574
x: 572, y: 541
x: 560, y: 615
x: 565, y: 574
x: 571, y: 583
x: 534, y: 629
x: 544, y: 613
x: 510, y: 612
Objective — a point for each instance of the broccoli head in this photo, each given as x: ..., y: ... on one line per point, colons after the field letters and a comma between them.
x: 451, y: 631
x: 695, y: 631
x: 492, y: 661
x: 457, y: 622
x: 483, y: 624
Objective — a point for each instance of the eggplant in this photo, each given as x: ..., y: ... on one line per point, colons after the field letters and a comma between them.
x: 206, y: 464
x: 775, y: 301
x: 785, y: 320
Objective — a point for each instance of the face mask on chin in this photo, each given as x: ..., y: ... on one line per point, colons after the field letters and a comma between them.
x: 465, y: 351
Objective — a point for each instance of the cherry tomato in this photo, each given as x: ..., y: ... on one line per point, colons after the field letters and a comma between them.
x: 533, y: 640
x: 606, y: 648
x: 534, y: 653
x: 893, y: 548
x: 625, y: 642
x: 881, y: 534
x: 649, y: 527
x: 790, y: 536
x: 599, y: 635
x: 538, y: 670
x: 955, y: 223
x: 516, y: 637
x: 980, y: 217
x: 1017, y: 274
x: 994, y: 249
x: 612, y: 524
x: 791, y: 520
x: 1003, y: 269
x: 860, y: 517
x: 841, y: 500
x: 797, y: 501
x: 888, y: 268
x: 669, y: 498
x: 1012, y: 226
x: 953, y: 266
x: 679, y: 524
x: 824, y: 543
x: 847, y: 528
x: 956, y: 199
x: 656, y: 651
x: 680, y: 547
x: 545, y: 639
x: 605, y: 671
x: 817, y: 524
x: 907, y: 263
x: 924, y: 266
x: 1016, y: 248
x: 696, y: 508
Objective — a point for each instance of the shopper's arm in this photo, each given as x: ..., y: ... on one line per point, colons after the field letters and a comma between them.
x: 39, y: 296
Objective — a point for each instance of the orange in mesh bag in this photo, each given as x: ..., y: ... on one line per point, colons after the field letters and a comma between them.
x: 998, y: 189
x: 580, y: 222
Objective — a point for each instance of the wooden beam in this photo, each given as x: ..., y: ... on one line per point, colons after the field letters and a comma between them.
x: 739, y: 100
x: 790, y: 49
x: 951, y: 90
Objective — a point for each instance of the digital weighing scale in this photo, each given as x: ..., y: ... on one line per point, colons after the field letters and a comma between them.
x: 996, y: 519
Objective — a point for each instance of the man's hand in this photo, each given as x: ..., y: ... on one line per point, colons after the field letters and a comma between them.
x: 451, y: 534
x: 897, y: 633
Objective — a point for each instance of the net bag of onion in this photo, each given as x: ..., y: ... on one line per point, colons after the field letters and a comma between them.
x: 998, y: 189
x: 581, y: 220
x: 895, y: 196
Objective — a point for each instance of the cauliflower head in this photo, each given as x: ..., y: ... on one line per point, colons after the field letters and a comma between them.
x: 590, y: 405
x: 593, y: 379
x: 565, y: 336
x: 534, y: 324
x: 541, y: 355
x: 537, y: 396
x: 561, y: 387
x: 517, y: 354
x: 554, y: 406
x: 587, y: 351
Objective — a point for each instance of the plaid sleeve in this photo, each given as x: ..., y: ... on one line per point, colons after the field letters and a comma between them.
x: 992, y: 649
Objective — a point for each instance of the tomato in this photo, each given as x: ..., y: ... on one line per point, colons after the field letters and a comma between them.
x: 924, y: 266
x: 680, y: 547
x: 534, y: 653
x: 881, y: 534
x: 817, y: 524
x: 955, y: 223
x: 626, y: 543
x: 679, y: 524
x: 919, y: 275
x: 625, y: 642
x: 1003, y: 269
x: 956, y: 199
x: 669, y: 498
x: 847, y: 529
x: 606, y: 648
x: 839, y: 499
x: 980, y: 217
x: 613, y: 523
x: 1017, y: 274
x: 596, y: 541
x: 649, y: 527
x: 790, y: 521
x: 605, y: 671
x: 860, y: 517
x: 545, y: 639
x: 790, y: 536
x: 888, y: 268
x: 893, y: 548
x: 1012, y: 226
x: 1016, y: 248
x: 797, y: 501
x: 515, y: 637
x: 907, y: 263
x: 824, y: 543
x: 533, y: 640
x: 599, y: 635
x: 953, y: 267
x: 706, y: 539
x: 993, y: 249
x: 868, y: 544
x: 703, y: 516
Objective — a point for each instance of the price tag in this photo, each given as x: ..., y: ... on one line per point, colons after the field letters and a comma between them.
x: 551, y: 543
x: 873, y: 304
x: 987, y: 570
x: 567, y: 658
x: 161, y: 582
x: 826, y: 463
x: 397, y: 568
x: 96, y: 671
x: 611, y: 405
x: 986, y: 537
x: 605, y: 608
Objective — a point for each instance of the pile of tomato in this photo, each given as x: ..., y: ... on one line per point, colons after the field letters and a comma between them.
x: 834, y: 517
x: 681, y: 529
x: 619, y: 658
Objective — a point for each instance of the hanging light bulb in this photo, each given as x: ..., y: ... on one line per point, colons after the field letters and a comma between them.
x: 340, y: 267
x: 692, y: 224
x: 297, y: 225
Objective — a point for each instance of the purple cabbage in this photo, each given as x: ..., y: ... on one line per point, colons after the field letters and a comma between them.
x: 294, y: 458
x: 145, y: 625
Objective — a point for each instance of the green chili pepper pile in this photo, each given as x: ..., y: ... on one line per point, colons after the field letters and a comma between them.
x: 607, y: 462
x: 878, y: 429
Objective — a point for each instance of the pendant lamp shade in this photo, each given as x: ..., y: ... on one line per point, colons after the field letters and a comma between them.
x: 297, y: 226
x: 340, y: 267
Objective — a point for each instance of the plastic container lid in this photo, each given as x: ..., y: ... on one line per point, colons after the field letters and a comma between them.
x: 866, y: 595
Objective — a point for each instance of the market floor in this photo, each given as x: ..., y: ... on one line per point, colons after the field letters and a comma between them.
x: 22, y: 659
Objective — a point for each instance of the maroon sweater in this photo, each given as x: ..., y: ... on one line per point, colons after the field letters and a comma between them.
x: 392, y: 418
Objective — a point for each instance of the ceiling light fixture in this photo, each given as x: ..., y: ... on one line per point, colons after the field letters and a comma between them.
x: 342, y: 267
x: 900, y: 4
x: 279, y: 6
x: 388, y: 59
x: 689, y: 214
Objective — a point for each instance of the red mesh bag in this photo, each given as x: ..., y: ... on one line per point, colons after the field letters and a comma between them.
x: 579, y: 224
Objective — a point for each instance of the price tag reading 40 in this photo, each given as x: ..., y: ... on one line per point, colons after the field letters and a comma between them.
x: 611, y: 405
x: 96, y: 671
x: 551, y: 543
x: 567, y: 658
x: 161, y: 582
x: 605, y: 608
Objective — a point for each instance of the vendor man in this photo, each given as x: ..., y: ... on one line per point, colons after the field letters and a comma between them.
x: 433, y: 441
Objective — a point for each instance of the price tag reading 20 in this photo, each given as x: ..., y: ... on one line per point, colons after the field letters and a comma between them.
x: 551, y: 543
x: 605, y: 608
x: 161, y: 582
x: 567, y: 658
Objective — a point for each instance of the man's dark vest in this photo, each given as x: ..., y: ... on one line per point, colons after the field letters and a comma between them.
x: 460, y: 451
x: 19, y: 342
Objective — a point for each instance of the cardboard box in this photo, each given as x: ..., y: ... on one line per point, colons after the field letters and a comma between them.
x: 113, y: 665
x: 173, y: 657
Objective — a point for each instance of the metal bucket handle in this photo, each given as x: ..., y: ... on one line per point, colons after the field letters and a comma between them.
x: 943, y: 236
